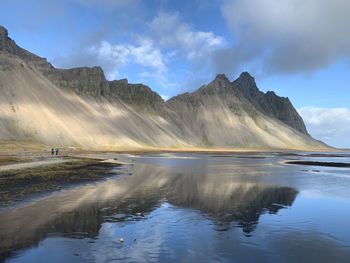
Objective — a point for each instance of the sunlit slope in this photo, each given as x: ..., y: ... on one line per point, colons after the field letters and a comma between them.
x: 79, y: 107
x: 215, y: 116
x: 218, y: 115
x: 32, y: 108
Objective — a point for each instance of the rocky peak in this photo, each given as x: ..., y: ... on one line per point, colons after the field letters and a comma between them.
x: 246, y: 75
x: 269, y: 103
x: 220, y: 82
x: 3, y: 32
x: 221, y: 77
x: 246, y: 84
x: 8, y: 45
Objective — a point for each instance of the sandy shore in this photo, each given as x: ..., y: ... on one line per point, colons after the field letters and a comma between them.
x: 20, y: 180
x: 25, y: 149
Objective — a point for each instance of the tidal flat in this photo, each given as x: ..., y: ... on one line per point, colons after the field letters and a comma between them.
x: 179, y: 207
x: 20, y: 180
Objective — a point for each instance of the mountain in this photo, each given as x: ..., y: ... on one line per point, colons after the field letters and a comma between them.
x: 219, y: 114
x: 269, y: 103
x: 79, y: 107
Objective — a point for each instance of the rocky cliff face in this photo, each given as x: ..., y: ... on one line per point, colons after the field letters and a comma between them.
x: 84, y: 81
x: 137, y: 95
x: 269, y: 103
x: 88, y: 82
x: 9, y: 46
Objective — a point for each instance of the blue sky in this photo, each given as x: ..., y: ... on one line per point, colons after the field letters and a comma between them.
x: 298, y: 48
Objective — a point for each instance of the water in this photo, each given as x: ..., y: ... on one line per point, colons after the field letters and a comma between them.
x: 190, y: 208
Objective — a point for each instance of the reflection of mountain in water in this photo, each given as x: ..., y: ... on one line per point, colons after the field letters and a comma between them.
x: 79, y: 213
x: 228, y: 201
x: 83, y: 221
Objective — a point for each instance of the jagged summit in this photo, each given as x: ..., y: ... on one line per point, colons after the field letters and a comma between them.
x: 246, y: 82
x: 246, y: 75
x: 3, y: 32
x: 220, y: 81
x: 269, y: 103
x: 221, y: 77
x: 6, y: 43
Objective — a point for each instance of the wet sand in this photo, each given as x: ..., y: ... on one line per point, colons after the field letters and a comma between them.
x: 20, y: 180
x: 33, y: 164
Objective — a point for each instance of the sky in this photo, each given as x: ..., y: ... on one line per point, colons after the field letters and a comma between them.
x: 298, y: 48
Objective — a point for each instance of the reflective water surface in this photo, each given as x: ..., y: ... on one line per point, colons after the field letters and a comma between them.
x: 190, y: 208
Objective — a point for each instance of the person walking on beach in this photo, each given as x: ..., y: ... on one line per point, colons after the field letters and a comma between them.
x: 52, y: 151
x: 56, y: 150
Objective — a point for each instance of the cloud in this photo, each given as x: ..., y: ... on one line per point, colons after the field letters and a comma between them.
x: 331, y: 125
x: 112, y: 57
x: 169, y: 31
x: 165, y: 43
x: 285, y: 37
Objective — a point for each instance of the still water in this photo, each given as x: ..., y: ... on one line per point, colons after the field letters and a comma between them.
x: 190, y: 208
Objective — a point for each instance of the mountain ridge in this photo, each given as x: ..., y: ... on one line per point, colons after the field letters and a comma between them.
x: 219, y: 114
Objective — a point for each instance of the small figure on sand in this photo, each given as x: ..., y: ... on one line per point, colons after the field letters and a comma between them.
x: 52, y: 151
x: 56, y: 150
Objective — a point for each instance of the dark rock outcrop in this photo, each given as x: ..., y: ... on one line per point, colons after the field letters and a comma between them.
x: 9, y: 46
x: 269, y: 103
x: 85, y: 81
x: 137, y: 95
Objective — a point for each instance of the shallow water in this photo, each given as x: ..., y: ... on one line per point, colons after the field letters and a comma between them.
x: 190, y: 208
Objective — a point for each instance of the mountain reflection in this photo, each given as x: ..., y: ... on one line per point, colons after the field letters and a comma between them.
x: 79, y: 213
x: 229, y: 201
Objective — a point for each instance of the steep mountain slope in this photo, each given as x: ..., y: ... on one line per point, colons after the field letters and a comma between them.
x: 269, y: 103
x: 32, y: 108
x: 79, y: 107
x: 220, y: 115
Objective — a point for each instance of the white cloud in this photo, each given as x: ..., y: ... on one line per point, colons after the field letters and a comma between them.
x: 170, y: 32
x: 331, y: 125
x: 288, y: 36
x: 113, y: 57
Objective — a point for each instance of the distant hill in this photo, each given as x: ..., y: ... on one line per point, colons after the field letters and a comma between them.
x: 79, y: 107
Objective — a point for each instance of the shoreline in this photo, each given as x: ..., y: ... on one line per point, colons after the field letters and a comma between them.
x: 24, y: 179
x: 24, y: 149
